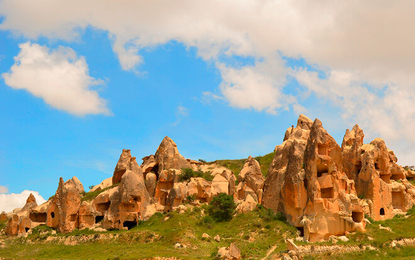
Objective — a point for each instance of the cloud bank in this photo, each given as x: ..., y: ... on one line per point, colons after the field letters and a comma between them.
x: 9, y: 202
x: 364, y: 50
x: 59, y: 77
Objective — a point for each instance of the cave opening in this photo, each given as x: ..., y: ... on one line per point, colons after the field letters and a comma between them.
x: 98, y: 219
x: 357, y: 216
x: 377, y: 166
x: 301, y: 231
x: 129, y: 224
x: 327, y: 193
x: 382, y: 212
x: 37, y: 217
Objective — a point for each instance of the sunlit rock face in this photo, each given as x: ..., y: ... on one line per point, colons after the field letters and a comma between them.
x: 321, y: 188
x: 324, y: 189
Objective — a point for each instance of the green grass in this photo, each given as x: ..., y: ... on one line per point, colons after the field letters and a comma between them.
x: 254, y: 233
x: 92, y: 195
x: 3, y: 224
x: 188, y: 173
x: 383, y: 253
x: 236, y: 165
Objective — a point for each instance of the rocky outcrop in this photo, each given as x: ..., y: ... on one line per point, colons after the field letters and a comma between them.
x: 124, y: 164
x: 285, y: 186
x: 104, y: 184
x: 325, y: 190
x: 3, y: 216
x: 168, y: 157
x: 251, y: 180
x: 64, y: 207
x: 321, y: 188
x: 20, y: 222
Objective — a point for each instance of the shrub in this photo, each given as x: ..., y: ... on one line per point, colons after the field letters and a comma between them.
x: 190, y: 198
x: 222, y: 207
x: 268, y: 214
x: 188, y: 173
x: 93, y: 194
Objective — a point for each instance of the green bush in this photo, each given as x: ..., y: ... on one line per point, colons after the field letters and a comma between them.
x: 222, y: 207
x: 188, y: 173
x: 268, y: 214
x: 190, y: 198
x: 93, y: 194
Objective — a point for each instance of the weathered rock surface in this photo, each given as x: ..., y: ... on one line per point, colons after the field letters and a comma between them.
x: 3, y: 216
x: 251, y: 181
x: 317, y: 184
x: 122, y: 166
x: 168, y: 157
x: 229, y: 253
x: 322, y: 189
x: 63, y: 210
x: 104, y: 184
x: 20, y: 223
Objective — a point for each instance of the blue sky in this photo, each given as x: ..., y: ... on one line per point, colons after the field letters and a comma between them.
x: 80, y: 83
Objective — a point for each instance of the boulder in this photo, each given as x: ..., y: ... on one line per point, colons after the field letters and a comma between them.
x: 250, y: 177
x: 229, y: 253
x: 200, y: 188
x: 104, y: 184
x: 247, y: 205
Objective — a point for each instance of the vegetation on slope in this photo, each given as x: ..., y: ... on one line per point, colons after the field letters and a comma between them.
x: 93, y: 194
x: 236, y: 165
x: 254, y: 233
x: 188, y: 173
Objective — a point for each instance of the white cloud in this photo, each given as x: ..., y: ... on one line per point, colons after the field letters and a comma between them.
x: 181, y: 112
x: 59, y: 77
x: 3, y: 189
x: 9, y: 202
x: 258, y: 86
x: 365, y: 48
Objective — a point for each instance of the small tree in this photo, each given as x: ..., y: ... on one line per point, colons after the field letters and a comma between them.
x: 222, y: 207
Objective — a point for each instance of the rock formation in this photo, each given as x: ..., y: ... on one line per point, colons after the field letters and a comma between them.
x: 64, y: 207
x: 20, y: 222
x: 317, y: 184
x: 251, y: 180
x: 321, y: 188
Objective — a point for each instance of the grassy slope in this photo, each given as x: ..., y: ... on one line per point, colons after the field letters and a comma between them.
x: 237, y: 165
x: 253, y: 233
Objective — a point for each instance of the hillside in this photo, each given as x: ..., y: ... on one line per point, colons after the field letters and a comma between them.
x: 310, y: 198
x: 256, y: 233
